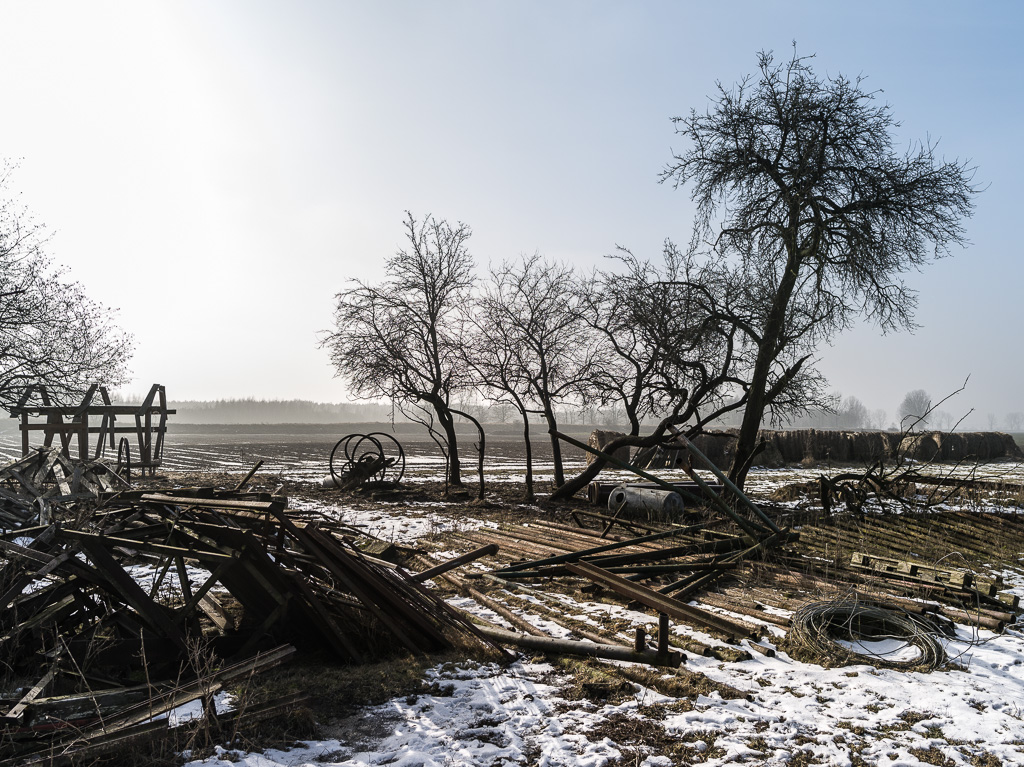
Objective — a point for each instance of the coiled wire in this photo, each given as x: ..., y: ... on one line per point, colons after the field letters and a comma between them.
x: 817, y: 627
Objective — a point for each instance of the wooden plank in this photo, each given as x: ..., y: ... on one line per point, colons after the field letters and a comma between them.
x: 19, y: 585
x: 61, y: 477
x: 250, y: 475
x: 183, y: 579
x: 215, y: 611
x: 24, y: 482
x: 112, y: 541
x: 132, y: 593
x: 45, y: 467
x: 18, y: 709
x: 210, y: 582
x: 576, y: 555
x: 210, y: 503
x: 27, y: 554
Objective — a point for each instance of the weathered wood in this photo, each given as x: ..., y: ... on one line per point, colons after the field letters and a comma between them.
x: 661, y: 603
x: 595, y: 550
x: 211, y: 503
x: 670, y: 659
x: 249, y: 476
x: 451, y: 564
x: 19, y: 709
x: 132, y: 592
x: 505, y: 613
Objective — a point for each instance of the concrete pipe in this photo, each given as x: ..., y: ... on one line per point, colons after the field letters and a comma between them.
x: 631, y: 499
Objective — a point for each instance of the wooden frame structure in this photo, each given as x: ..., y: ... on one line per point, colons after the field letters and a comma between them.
x: 73, y: 424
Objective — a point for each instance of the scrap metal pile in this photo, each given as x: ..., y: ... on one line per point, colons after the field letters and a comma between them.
x: 109, y: 615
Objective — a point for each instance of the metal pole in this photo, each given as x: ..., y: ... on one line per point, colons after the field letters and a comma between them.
x: 729, y: 484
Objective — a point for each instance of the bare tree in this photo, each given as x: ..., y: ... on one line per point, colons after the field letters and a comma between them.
x: 796, y: 178
x: 402, y: 340
x: 50, y: 331
x: 495, y: 356
x: 1014, y: 421
x: 651, y: 332
x: 541, y: 356
x: 675, y: 342
x: 915, y: 410
x: 943, y: 419
x: 853, y: 414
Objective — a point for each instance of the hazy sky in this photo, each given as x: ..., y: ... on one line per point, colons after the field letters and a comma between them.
x: 218, y: 170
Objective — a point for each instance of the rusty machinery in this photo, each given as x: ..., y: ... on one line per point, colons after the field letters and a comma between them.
x: 359, y: 459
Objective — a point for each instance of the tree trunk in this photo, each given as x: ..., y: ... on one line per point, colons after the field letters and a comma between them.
x: 556, y: 446
x: 530, y: 497
x: 448, y: 424
x: 767, y: 351
x: 584, y: 478
x: 480, y: 450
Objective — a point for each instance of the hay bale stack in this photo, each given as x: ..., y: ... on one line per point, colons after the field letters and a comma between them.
x: 599, y: 438
x: 987, y: 445
x: 959, y: 446
x: 870, y: 446
x: 719, y: 445
x: 828, y: 445
x: 790, y: 447
x: 926, y: 446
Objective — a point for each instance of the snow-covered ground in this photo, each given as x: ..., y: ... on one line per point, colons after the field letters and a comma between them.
x: 794, y: 713
x: 487, y: 714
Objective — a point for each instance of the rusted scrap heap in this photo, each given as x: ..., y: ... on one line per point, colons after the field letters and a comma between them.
x: 153, y: 578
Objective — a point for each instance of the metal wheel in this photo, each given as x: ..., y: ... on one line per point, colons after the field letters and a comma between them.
x: 124, y: 460
x: 399, y: 464
x: 358, y: 454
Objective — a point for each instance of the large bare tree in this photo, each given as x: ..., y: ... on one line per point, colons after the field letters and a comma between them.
x: 796, y: 177
x: 50, y: 331
x: 672, y: 343
x: 401, y: 340
x: 542, y: 348
x: 665, y: 336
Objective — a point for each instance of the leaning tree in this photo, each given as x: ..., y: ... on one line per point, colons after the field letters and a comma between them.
x: 401, y: 340
x: 797, y: 179
x: 50, y: 331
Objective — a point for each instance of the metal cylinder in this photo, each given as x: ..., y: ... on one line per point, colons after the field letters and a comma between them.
x: 630, y: 498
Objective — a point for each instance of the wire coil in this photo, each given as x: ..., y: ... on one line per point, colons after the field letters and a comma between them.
x: 822, y: 627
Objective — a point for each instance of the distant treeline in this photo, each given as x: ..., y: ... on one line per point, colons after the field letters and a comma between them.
x: 261, y: 411
x: 254, y: 411
x: 848, y: 414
